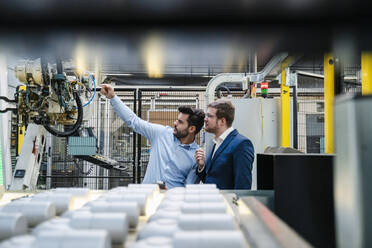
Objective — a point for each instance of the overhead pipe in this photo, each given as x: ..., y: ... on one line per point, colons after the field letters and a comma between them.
x: 237, y: 78
x: 240, y: 77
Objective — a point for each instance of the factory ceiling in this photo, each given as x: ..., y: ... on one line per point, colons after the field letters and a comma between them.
x: 186, y: 40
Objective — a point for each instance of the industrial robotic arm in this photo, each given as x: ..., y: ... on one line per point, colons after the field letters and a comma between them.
x: 49, y: 97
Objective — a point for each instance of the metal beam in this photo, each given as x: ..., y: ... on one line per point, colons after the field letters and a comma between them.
x: 285, y: 107
x: 367, y: 73
x: 49, y: 147
x: 310, y: 74
x: 329, y: 93
x: 21, y: 130
x: 156, y: 87
x: 339, y: 75
x: 295, y: 117
x: 262, y: 228
x: 6, y: 166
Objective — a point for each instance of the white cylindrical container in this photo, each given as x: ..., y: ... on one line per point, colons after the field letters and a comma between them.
x: 193, y: 191
x: 12, y: 224
x: 129, y: 208
x: 171, y: 204
x: 118, y: 189
x: 204, y: 198
x: 175, y: 190
x: 22, y: 241
x: 62, y: 202
x: 57, y: 224
x: 144, y: 185
x: 166, y: 213
x: 194, y: 222
x: 201, y: 186
x: 141, y: 199
x: 175, y: 197
x: 85, y: 208
x: 88, y: 205
x: 83, y: 192
x: 153, y: 242
x: 202, y: 191
x: 35, y: 212
x: 208, y: 239
x: 148, y: 191
x: 116, y: 224
x: 159, y: 228
x: 70, y: 213
x: 203, y: 207
x: 73, y: 239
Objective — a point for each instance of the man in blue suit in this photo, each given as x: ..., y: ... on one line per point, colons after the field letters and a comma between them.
x: 229, y: 165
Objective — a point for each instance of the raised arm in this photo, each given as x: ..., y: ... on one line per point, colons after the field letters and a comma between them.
x: 145, y: 128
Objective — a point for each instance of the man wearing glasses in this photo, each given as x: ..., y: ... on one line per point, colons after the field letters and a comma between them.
x: 172, y: 156
x: 229, y: 165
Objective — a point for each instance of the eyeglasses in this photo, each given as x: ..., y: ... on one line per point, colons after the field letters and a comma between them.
x: 210, y: 116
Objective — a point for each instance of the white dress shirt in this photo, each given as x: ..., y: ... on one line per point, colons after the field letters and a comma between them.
x: 219, y: 140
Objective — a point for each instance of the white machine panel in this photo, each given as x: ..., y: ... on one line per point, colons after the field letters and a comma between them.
x: 258, y: 119
x: 27, y: 168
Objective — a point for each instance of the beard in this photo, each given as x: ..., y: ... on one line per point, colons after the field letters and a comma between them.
x: 181, y: 134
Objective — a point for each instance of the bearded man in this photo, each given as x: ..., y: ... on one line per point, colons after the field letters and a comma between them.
x: 172, y: 159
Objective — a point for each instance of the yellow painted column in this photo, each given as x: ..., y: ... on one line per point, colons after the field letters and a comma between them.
x: 366, y: 73
x: 21, y: 130
x: 21, y: 137
x: 329, y: 93
x: 285, y: 111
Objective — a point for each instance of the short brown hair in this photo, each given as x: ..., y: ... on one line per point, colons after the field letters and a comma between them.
x: 225, y: 109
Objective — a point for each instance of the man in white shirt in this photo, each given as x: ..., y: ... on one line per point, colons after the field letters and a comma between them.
x: 229, y: 165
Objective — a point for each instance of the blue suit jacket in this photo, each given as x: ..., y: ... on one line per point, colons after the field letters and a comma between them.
x: 231, y: 166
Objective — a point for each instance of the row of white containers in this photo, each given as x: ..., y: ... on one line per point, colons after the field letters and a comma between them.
x: 194, y: 216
